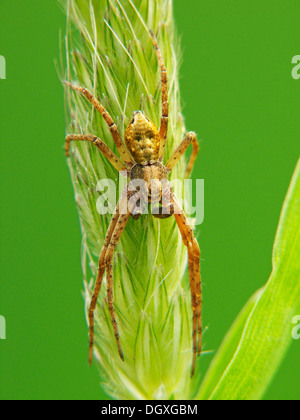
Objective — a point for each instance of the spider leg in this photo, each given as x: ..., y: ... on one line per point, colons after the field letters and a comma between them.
x: 101, y: 270
x: 164, y: 98
x: 193, y: 297
x: 191, y: 243
x: 189, y: 138
x: 166, y: 208
x: 108, y: 119
x: 114, y: 240
x: 164, y: 213
x: 110, y: 156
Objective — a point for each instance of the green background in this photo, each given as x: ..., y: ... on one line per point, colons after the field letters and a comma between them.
x: 239, y: 97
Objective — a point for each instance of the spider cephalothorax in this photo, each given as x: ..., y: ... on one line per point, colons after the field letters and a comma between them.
x: 142, y: 139
x: 142, y: 160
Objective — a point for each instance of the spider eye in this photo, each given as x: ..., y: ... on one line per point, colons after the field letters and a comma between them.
x: 132, y: 121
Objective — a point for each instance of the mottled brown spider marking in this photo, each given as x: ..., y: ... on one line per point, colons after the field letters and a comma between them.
x: 149, y: 172
x: 142, y: 139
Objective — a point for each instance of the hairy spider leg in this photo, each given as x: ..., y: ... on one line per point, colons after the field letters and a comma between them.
x: 109, y: 154
x: 191, y: 243
x: 113, y: 234
x: 108, y: 119
x: 164, y: 98
x: 190, y: 138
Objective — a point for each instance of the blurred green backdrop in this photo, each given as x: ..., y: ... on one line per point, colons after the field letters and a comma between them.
x: 239, y: 97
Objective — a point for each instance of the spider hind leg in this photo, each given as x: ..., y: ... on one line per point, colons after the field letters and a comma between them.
x: 113, y: 235
x: 193, y: 249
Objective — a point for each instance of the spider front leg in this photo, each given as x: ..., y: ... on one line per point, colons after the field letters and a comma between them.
x: 191, y: 243
x: 110, y: 156
x: 164, y: 98
x: 113, y: 229
x: 189, y: 138
x: 109, y: 121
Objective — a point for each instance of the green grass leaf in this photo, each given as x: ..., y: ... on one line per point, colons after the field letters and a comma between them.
x: 252, y: 350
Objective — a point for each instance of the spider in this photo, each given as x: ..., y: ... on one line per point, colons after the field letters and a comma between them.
x: 142, y: 159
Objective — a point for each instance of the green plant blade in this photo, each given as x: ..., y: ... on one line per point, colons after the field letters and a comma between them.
x: 227, y: 349
x: 266, y: 335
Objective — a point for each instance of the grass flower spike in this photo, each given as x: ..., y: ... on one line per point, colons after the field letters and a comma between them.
x: 110, y: 52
